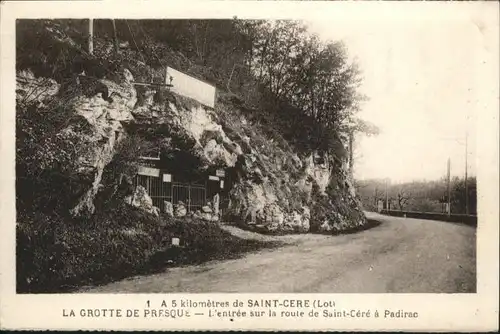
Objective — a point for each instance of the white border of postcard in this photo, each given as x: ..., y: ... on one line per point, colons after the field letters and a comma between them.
x: 437, y: 312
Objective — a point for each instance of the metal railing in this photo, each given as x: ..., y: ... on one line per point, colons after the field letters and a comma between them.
x: 192, y: 195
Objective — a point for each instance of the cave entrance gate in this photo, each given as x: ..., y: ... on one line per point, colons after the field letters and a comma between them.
x: 161, y: 190
x: 163, y: 187
x: 193, y: 195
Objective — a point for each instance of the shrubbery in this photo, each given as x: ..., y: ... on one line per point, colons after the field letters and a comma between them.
x: 46, y: 157
x: 56, y: 254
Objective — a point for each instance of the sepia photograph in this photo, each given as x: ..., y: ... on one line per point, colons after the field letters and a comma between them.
x: 241, y: 156
x: 249, y: 155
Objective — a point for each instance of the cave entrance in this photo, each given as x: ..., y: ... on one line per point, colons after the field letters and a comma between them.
x: 194, y: 196
x: 161, y: 189
x: 177, y: 179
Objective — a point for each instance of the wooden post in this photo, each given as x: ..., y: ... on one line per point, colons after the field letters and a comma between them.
x: 115, y: 37
x: 449, y: 187
x: 229, y: 80
x: 91, y: 36
x: 466, y: 185
x: 386, y: 196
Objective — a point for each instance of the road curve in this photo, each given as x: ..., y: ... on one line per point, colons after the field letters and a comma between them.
x: 401, y: 255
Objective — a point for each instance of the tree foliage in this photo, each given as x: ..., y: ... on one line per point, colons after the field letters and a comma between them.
x: 286, y: 79
x: 271, y: 65
x: 296, y: 66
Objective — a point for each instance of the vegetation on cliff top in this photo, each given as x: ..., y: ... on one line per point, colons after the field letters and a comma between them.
x: 268, y: 66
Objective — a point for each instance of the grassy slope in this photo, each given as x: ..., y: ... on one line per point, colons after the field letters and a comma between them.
x: 58, y: 254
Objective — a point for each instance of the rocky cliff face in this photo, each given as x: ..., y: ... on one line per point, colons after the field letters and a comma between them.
x: 273, y: 188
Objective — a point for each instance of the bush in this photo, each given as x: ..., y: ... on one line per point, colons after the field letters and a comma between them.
x: 55, y: 253
x: 46, y: 156
x: 202, y: 241
x: 58, y: 254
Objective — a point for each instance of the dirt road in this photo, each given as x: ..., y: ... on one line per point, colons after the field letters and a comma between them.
x: 400, y: 255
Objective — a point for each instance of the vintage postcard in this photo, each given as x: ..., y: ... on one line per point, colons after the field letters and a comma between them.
x: 240, y: 165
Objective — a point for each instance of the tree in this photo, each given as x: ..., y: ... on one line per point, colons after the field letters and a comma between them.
x: 378, y: 195
x: 458, y: 195
x: 422, y: 196
x: 402, y: 198
x: 315, y: 77
x: 272, y: 65
x: 358, y: 126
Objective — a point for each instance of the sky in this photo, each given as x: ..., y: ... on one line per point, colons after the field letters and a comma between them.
x: 421, y: 77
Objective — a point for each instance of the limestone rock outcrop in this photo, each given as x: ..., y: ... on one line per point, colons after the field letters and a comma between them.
x: 140, y: 199
x: 273, y: 187
x: 180, y: 210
